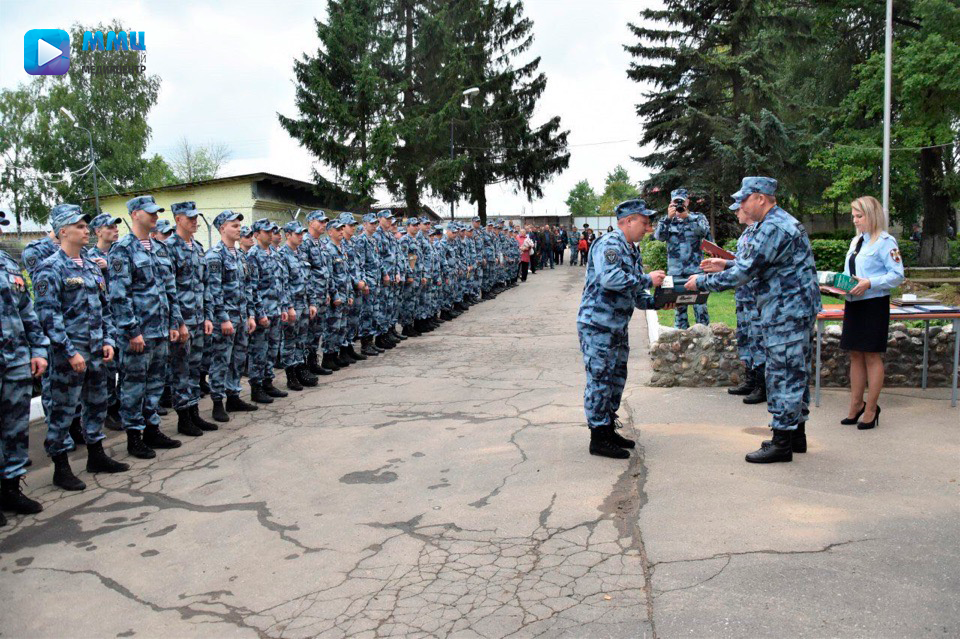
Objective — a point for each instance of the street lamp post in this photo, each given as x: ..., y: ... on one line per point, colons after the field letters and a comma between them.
x: 93, y: 161
x: 467, y: 94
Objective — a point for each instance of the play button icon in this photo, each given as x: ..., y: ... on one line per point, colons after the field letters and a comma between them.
x: 46, y: 52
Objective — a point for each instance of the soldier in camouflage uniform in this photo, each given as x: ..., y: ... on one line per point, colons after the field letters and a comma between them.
x: 225, y: 304
x: 295, y: 271
x: 186, y: 255
x: 390, y: 283
x: 368, y: 256
x: 341, y: 295
x: 104, y: 226
x: 73, y: 309
x: 423, y: 321
x: 615, y: 285
x: 780, y: 260
x: 683, y: 230
x: 312, y: 250
x: 267, y: 277
x: 359, y: 289
x: 24, y: 356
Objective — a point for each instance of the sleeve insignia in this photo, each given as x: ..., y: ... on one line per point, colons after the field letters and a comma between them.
x: 117, y: 265
x: 895, y: 255
x: 31, y: 261
x: 161, y: 252
x: 42, y: 287
x: 214, y: 267
x: 612, y: 256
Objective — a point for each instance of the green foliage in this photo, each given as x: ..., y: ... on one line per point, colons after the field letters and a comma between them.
x: 582, y: 199
x: 617, y: 188
x: 654, y: 254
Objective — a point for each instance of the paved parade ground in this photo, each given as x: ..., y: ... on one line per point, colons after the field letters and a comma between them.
x: 444, y: 489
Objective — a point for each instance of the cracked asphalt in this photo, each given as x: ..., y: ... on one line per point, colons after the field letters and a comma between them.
x: 444, y: 489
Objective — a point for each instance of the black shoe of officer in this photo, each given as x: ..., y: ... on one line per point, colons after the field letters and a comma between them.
x: 161, y: 411
x: 154, y: 438
x: 747, y: 385
x: 383, y: 343
x: 407, y: 331
x: 113, y: 420
x: 601, y: 445
x: 314, y: 366
x: 185, y: 425
x: 62, y: 474
x: 779, y: 450
x: 330, y: 362
x: 273, y: 391
x: 3, y: 520
x: 293, y: 382
x: 200, y: 422
x: 166, y: 399
x: 13, y: 500
x: 136, y: 447
x: 367, y: 348
x: 306, y: 377
x: 99, y: 462
x: 615, y: 437
x: 204, y: 386
x: 258, y: 395
x: 76, y: 432
x: 799, y: 441
x: 341, y: 358
x: 759, y: 393
x: 400, y: 337
x: 237, y: 405
x: 352, y: 352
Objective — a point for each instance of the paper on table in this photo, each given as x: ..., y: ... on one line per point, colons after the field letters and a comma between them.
x: 935, y: 308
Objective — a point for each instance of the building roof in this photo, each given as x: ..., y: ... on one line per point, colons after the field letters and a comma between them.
x: 245, y: 177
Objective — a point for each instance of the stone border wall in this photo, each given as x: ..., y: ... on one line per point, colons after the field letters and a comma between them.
x: 707, y: 356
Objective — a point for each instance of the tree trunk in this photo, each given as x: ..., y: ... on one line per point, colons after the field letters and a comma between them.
x: 411, y: 193
x: 934, y: 250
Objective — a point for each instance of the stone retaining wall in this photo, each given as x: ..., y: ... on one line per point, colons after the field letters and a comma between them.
x: 707, y: 356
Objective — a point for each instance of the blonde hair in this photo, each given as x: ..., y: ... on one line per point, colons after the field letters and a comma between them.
x: 873, y: 211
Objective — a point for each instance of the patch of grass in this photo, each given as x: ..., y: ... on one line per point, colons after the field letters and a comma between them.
x: 720, y: 305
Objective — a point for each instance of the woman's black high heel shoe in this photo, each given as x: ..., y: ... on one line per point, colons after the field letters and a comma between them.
x: 870, y: 424
x: 847, y: 421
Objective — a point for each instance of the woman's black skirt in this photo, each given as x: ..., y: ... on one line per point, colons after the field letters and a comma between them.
x: 865, y: 325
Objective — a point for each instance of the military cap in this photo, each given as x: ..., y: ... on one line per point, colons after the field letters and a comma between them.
x: 143, y: 203
x: 385, y: 213
x: 679, y: 194
x: 412, y: 220
x: 336, y: 223
x: 735, y: 206
x: 633, y: 207
x: 347, y: 218
x: 226, y: 216
x: 319, y: 216
x: 164, y: 227
x: 184, y: 208
x: 245, y: 231
x: 104, y: 219
x: 475, y: 218
x: 370, y: 217
x: 293, y: 227
x: 436, y: 230
x: 499, y: 224
x: 750, y: 185
x: 263, y: 224
x: 65, y: 214
x: 490, y: 223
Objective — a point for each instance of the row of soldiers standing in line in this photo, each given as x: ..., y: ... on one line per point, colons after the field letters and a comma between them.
x: 120, y: 320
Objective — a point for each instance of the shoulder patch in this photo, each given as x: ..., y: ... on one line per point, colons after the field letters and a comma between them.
x: 42, y: 287
x: 117, y: 264
x: 895, y: 255
x: 31, y: 261
x: 611, y: 255
x: 161, y: 252
x: 215, y: 267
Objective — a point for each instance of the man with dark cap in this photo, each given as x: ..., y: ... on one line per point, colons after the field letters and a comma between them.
x: 368, y: 255
x: 312, y: 251
x: 296, y: 270
x: 145, y: 309
x: 265, y: 271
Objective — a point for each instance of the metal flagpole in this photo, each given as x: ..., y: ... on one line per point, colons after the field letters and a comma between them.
x: 887, y: 91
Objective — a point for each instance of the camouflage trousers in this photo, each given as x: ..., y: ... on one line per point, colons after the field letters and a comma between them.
x: 384, y: 301
x: 605, y: 357
x: 352, y: 318
x: 264, y: 347
x: 408, y: 303
x: 317, y: 328
x: 295, y: 337
x: 14, y: 421
x: 68, y: 389
x: 368, y: 313
x: 788, y: 378
x: 186, y: 361
x: 749, y: 335
x: 142, y: 383
x: 228, y: 358
x: 682, y: 318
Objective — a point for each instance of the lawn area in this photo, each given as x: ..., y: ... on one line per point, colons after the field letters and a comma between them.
x: 723, y: 309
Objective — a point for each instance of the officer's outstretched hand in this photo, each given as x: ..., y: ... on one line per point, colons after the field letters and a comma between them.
x: 713, y: 265
x: 77, y: 363
x: 37, y: 366
x: 691, y: 284
x: 657, y: 277
x: 207, y: 327
x: 107, y: 353
x: 251, y: 325
x: 313, y: 312
x: 137, y: 344
x: 226, y: 327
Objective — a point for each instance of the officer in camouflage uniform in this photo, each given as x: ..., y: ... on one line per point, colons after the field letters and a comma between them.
x: 489, y: 261
x: 24, y: 356
x: 780, y: 260
x: 267, y: 278
x: 295, y: 271
x: 104, y: 226
x: 389, y: 282
x: 341, y: 295
x: 145, y: 310
x: 437, y: 275
x: 186, y: 255
x: 359, y: 289
x: 413, y: 275
x: 615, y: 285
x: 73, y: 309
x: 368, y: 256
x: 423, y: 321
x: 683, y: 231
x: 312, y: 251
x: 225, y: 304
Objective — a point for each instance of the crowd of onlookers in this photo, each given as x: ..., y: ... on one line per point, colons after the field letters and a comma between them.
x: 544, y: 246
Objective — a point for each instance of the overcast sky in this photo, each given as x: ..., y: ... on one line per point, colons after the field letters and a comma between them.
x: 226, y: 70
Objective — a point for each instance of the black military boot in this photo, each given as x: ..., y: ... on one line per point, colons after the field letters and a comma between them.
x: 779, y: 450
x: 166, y: 399
x: 407, y: 331
x: 615, y: 437
x: 313, y: 365
x: 136, y: 447
x: 272, y: 390
x: 237, y: 405
x: 113, y: 420
x: 185, y: 425
x: 400, y: 337
x: 200, y: 422
x: 343, y: 355
x: 601, y: 445
x: 219, y: 412
x: 154, y: 438
x: 99, y: 462
x: 759, y: 393
x: 352, y: 352
x: 747, y: 385
x: 306, y: 378
x: 293, y: 382
x: 63, y: 476
x: 330, y: 362
x: 204, y: 386
x: 381, y: 342
x: 259, y: 395
x: 13, y: 500
x: 3, y: 520
x: 367, y: 348
x: 799, y: 442
x: 76, y: 432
